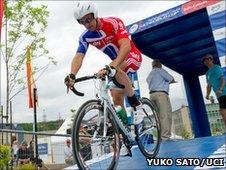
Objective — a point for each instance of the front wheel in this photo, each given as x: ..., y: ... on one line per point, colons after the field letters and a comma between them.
x: 148, y: 132
x: 95, y: 141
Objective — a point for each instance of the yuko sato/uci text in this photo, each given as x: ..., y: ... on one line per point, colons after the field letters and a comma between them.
x: 186, y: 162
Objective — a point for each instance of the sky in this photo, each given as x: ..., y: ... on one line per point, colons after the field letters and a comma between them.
x: 62, y: 40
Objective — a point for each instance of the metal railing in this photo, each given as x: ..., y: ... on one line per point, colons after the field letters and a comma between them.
x: 50, y: 146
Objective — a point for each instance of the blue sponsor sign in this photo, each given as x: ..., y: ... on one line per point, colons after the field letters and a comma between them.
x: 155, y: 20
x: 42, y: 148
x: 134, y: 79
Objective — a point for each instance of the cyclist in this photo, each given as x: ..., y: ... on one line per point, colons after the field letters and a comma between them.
x: 110, y: 36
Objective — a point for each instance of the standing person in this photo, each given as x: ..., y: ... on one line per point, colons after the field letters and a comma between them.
x: 68, y: 155
x: 110, y: 36
x: 158, y: 82
x: 15, y: 148
x: 215, y: 79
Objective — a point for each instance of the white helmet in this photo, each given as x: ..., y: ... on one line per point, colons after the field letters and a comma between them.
x: 84, y: 8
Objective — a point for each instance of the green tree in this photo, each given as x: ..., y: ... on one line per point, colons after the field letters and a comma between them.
x: 4, y: 156
x: 43, y: 126
x: 185, y: 134
x: 24, y: 24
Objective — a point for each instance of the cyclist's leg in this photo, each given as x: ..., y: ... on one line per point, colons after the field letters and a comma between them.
x: 123, y: 79
x: 118, y: 99
x: 133, y: 63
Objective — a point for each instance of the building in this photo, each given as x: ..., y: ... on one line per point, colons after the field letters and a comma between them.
x: 181, y: 121
x: 215, y: 118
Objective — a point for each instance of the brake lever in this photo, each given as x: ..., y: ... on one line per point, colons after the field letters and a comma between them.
x: 67, y: 89
x: 76, y: 92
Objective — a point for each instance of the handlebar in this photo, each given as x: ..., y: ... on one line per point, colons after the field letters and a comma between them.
x: 79, y: 80
x: 110, y: 73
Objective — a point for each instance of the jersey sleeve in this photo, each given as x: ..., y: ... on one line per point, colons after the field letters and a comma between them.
x: 83, y: 45
x: 120, y: 29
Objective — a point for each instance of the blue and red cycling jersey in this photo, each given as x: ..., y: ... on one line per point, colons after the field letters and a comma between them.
x: 106, y: 39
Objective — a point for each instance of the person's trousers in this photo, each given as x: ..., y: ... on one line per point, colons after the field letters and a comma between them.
x: 164, y: 111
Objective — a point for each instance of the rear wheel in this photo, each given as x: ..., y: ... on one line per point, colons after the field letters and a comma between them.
x: 95, y: 147
x: 148, y: 132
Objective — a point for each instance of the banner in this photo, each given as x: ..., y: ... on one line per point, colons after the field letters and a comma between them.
x: 1, y: 15
x: 30, y: 79
x: 155, y: 20
x: 195, y: 5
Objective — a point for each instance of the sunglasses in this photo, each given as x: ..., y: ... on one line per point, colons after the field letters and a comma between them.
x: 88, y: 20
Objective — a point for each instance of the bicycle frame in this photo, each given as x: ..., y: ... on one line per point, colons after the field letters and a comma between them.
x: 105, y: 99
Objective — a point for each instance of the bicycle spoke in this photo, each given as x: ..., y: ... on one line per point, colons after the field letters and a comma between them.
x: 102, y: 146
x: 148, y: 133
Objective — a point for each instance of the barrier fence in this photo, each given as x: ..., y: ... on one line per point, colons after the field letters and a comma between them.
x: 50, y: 146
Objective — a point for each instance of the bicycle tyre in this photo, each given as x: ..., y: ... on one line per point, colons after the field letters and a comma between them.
x: 156, y: 143
x: 85, y: 108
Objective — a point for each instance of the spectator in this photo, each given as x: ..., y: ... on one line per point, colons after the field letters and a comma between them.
x: 215, y: 79
x: 68, y: 153
x: 158, y: 82
x: 23, y: 154
x: 32, y: 157
x: 15, y: 148
x: 84, y: 141
x: 31, y: 151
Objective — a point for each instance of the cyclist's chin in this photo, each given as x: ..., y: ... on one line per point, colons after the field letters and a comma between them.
x: 91, y: 28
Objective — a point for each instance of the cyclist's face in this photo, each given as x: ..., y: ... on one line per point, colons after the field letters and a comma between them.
x: 89, y: 22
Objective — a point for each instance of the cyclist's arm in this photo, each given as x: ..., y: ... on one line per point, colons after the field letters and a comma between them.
x: 124, y: 49
x: 77, y: 63
x: 123, y: 40
x: 78, y: 58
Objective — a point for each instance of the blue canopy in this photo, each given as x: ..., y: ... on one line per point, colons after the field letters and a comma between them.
x: 181, y: 36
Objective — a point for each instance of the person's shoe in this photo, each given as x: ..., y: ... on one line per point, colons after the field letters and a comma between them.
x: 138, y: 115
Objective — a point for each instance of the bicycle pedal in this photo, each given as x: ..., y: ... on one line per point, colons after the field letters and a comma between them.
x: 129, y: 154
x: 125, y: 151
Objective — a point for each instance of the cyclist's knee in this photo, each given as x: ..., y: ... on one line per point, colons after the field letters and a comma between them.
x: 120, y: 72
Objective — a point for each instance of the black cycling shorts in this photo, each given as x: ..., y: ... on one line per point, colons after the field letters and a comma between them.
x: 222, y: 102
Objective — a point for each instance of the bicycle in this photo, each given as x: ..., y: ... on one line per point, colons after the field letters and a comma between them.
x: 100, y: 141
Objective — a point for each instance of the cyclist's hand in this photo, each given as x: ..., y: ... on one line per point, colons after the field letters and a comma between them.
x: 101, y: 73
x: 70, y: 80
x: 113, y: 64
